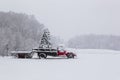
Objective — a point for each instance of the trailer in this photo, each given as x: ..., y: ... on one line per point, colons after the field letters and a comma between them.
x: 22, y: 54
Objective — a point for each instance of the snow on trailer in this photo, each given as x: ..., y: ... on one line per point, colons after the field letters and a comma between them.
x: 20, y: 52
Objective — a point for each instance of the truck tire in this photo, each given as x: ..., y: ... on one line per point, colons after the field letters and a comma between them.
x: 42, y: 55
x: 70, y: 55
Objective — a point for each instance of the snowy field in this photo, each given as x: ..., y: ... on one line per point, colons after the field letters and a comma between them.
x: 89, y: 65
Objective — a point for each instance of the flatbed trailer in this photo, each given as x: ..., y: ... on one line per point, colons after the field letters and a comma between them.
x: 22, y: 54
x: 39, y: 51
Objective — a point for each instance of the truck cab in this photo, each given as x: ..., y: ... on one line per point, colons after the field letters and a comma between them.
x: 61, y: 50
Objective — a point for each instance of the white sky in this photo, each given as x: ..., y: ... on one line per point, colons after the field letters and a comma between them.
x: 68, y: 18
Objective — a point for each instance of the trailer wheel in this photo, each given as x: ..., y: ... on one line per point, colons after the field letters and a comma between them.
x: 16, y: 56
x: 42, y: 56
x: 21, y: 56
x: 28, y: 56
x: 70, y: 55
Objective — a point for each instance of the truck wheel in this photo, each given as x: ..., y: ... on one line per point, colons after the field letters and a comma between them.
x: 70, y: 55
x: 42, y: 56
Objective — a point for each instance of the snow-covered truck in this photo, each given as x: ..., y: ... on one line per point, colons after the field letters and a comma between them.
x: 45, y: 49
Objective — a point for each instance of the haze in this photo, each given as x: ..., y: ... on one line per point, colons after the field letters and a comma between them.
x: 68, y: 18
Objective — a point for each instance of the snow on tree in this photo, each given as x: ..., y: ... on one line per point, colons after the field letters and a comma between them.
x: 18, y: 31
x: 45, y: 40
x: 95, y: 42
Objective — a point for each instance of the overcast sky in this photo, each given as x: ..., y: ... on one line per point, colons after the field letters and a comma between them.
x: 68, y: 18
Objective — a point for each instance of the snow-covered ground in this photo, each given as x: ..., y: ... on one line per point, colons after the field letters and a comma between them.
x: 89, y: 65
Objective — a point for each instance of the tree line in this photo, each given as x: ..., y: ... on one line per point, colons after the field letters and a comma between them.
x: 18, y: 31
x: 95, y: 42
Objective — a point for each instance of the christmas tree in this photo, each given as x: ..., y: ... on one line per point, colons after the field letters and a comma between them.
x: 45, y: 41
